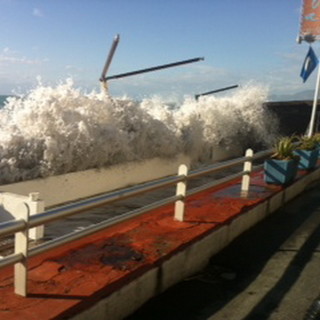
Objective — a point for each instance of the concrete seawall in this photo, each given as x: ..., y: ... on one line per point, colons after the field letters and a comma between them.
x: 59, y: 189
x: 111, y: 274
x: 294, y: 116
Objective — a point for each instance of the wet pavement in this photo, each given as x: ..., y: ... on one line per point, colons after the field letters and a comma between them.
x: 270, y: 272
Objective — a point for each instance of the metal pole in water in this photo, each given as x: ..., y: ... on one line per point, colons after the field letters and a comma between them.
x: 215, y: 91
x: 169, y: 65
x: 108, y: 61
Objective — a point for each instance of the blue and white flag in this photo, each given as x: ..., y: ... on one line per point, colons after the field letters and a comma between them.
x: 310, y: 63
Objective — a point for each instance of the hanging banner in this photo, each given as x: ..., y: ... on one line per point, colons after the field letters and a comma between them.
x: 310, y: 21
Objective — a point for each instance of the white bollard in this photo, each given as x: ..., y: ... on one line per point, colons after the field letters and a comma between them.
x: 21, y: 246
x: 247, y: 168
x: 181, y: 191
x: 36, y: 205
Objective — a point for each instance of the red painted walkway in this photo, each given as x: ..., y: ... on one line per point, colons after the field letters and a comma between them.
x: 67, y: 280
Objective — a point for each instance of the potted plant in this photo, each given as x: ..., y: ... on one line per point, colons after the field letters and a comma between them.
x: 307, y: 150
x: 282, y: 167
x: 316, y: 137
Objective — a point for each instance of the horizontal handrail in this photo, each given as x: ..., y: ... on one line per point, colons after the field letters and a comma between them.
x: 99, y: 226
x: 11, y: 259
x: 84, y: 205
x: 214, y: 184
x: 262, y: 154
x: 12, y: 226
x: 258, y: 167
x: 20, y: 226
x: 217, y: 167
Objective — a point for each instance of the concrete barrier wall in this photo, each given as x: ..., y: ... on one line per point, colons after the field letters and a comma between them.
x: 60, y: 189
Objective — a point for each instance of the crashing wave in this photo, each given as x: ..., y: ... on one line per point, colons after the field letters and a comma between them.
x: 55, y: 130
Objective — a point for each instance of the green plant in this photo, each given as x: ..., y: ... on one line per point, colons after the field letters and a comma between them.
x: 316, y: 137
x: 307, y: 143
x: 284, y: 149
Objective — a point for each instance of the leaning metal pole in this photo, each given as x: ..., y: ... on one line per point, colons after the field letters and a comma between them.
x: 215, y: 91
x: 164, y: 66
x: 108, y: 62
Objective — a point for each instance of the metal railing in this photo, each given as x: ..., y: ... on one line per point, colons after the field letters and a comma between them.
x: 21, y: 225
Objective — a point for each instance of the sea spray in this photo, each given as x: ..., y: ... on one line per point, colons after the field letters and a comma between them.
x: 55, y: 130
x: 237, y: 121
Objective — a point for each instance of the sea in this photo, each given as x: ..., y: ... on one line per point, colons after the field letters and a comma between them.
x: 53, y: 130
x: 3, y: 98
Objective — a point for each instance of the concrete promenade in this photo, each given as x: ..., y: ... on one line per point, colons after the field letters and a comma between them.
x: 110, y: 274
x: 270, y: 272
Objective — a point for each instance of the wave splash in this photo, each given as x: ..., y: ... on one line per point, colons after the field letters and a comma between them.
x: 55, y: 130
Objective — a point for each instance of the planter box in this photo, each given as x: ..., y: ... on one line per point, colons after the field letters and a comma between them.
x: 280, y: 171
x: 308, y: 158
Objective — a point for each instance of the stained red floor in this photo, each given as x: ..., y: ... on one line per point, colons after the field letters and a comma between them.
x: 66, y: 280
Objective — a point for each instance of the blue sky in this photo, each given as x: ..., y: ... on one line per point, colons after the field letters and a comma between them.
x: 242, y: 41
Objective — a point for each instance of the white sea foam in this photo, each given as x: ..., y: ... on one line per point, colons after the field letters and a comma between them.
x: 54, y: 130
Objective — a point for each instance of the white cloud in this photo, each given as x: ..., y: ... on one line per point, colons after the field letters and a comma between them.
x: 37, y: 12
x: 8, y: 51
x: 73, y: 68
x: 8, y: 56
x: 22, y: 60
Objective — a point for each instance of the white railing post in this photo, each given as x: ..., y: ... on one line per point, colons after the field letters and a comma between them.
x: 21, y: 246
x: 247, y: 168
x: 36, y: 205
x: 181, y: 191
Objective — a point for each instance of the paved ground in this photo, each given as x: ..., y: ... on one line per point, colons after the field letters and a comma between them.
x: 270, y: 272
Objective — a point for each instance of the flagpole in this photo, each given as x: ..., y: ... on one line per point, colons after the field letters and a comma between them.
x: 314, y: 107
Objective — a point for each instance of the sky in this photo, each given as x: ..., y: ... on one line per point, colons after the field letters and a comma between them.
x: 242, y: 41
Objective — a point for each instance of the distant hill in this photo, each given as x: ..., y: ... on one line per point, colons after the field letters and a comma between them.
x: 298, y: 96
